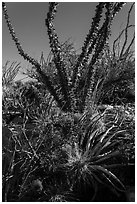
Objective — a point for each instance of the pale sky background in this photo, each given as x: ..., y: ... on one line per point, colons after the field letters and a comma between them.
x: 73, y: 19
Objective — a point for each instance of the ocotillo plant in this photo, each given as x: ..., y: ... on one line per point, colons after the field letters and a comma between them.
x: 70, y: 152
x: 68, y: 96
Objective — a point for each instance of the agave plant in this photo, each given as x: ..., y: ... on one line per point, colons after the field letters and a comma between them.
x: 90, y: 160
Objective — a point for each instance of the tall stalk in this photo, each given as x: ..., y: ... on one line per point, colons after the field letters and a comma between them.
x: 98, y: 45
x: 56, y: 49
x: 44, y: 78
x: 90, y: 40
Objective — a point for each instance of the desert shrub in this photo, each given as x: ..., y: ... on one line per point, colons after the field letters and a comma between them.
x: 118, y: 79
x: 116, y: 69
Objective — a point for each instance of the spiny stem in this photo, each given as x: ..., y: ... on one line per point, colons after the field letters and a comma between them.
x: 90, y: 39
x: 45, y: 79
x: 56, y: 49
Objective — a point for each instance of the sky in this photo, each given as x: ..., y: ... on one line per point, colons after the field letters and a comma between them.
x: 72, y: 20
